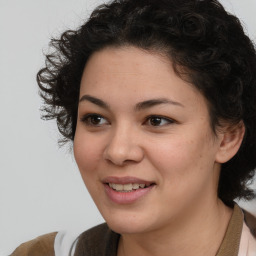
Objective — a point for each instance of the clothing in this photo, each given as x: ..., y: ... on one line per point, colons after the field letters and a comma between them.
x: 239, y: 240
x: 42, y: 245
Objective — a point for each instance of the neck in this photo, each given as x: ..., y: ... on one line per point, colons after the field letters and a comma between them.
x: 199, y: 231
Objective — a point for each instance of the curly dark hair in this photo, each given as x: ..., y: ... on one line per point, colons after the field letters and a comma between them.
x: 198, y: 35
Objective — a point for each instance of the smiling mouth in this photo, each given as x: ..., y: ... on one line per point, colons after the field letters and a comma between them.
x: 126, y: 190
x: 127, y: 187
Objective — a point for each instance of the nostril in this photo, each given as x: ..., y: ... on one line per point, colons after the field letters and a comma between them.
x: 123, y: 151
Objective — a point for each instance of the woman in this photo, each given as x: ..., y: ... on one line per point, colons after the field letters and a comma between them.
x: 159, y: 98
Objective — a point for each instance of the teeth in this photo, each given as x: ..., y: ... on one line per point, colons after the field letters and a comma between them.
x: 126, y: 187
x: 118, y: 187
x: 135, y: 186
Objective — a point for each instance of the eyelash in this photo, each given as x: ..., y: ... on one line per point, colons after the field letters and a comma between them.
x: 167, y: 120
x: 87, y: 119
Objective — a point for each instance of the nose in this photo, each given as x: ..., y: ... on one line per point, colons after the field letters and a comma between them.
x: 123, y: 147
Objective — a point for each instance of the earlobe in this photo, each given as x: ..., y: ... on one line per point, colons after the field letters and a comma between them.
x: 232, y: 137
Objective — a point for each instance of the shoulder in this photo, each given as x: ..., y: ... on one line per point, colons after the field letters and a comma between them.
x: 250, y: 221
x: 71, y: 243
x: 101, y: 231
x: 40, y: 246
x: 95, y: 241
x: 88, y: 242
x: 248, y: 239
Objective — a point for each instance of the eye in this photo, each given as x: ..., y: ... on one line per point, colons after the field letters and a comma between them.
x: 94, y: 120
x: 158, y: 121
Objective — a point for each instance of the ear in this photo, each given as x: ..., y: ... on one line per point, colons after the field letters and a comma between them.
x: 231, y: 138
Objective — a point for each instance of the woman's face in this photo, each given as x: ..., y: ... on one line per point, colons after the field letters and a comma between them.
x: 143, y: 141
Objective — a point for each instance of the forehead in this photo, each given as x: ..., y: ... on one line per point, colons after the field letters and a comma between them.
x: 132, y: 74
x: 127, y: 61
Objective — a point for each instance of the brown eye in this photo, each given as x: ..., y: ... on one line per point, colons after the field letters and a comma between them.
x: 155, y: 121
x: 94, y: 120
x: 158, y: 121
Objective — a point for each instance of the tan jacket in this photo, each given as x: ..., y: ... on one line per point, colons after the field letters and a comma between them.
x: 101, y: 241
x: 41, y: 246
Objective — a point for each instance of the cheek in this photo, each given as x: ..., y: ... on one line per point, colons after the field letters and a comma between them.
x: 87, y: 153
x: 186, y: 172
x: 184, y: 158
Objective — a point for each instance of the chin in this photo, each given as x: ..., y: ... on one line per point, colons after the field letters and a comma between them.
x: 125, y: 227
x: 128, y: 222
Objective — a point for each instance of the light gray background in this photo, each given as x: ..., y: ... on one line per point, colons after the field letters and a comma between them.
x: 40, y: 187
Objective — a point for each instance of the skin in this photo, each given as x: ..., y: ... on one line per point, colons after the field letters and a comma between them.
x: 178, y: 151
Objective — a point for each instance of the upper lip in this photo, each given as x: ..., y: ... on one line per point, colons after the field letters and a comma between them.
x: 126, y: 180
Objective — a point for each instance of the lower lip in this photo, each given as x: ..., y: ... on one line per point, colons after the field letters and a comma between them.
x: 126, y: 197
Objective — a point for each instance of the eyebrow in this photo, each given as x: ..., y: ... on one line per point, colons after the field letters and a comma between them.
x: 95, y: 101
x: 139, y: 106
x: 154, y: 102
